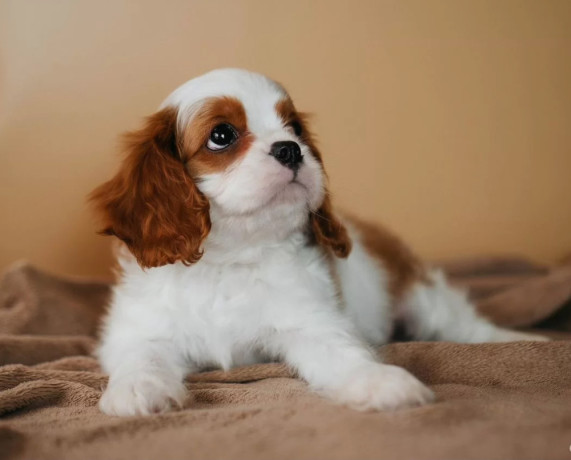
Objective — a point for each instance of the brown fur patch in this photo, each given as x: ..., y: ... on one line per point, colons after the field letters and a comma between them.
x: 213, y: 112
x: 286, y: 110
x: 403, y: 266
x: 152, y: 203
x: 326, y: 229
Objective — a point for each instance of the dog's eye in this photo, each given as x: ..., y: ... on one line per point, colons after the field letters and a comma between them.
x: 221, y: 137
x: 296, y: 126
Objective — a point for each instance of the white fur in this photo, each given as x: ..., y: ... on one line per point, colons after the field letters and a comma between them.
x: 437, y: 311
x: 364, y: 285
x: 260, y: 292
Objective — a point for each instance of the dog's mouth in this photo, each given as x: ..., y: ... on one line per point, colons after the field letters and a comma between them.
x: 294, y: 181
x: 292, y: 193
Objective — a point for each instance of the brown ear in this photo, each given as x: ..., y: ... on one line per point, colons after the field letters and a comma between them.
x: 327, y: 229
x: 152, y: 203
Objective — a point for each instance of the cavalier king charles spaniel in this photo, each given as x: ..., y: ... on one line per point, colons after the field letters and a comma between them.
x: 233, y: 254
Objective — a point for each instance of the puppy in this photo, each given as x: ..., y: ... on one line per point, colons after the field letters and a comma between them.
x: 234, y: 255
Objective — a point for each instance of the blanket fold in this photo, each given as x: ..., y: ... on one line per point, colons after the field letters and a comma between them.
x: 493, y: 400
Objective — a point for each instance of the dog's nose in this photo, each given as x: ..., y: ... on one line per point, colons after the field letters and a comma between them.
x: 287, y: 153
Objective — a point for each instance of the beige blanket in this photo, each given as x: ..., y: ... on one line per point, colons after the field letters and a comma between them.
x: 504, y: 401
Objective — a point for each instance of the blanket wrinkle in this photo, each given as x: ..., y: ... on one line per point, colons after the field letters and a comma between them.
x: 531, y: 302
x: 500, y: 401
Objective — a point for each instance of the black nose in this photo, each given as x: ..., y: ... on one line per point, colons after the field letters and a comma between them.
x: 287, y: 153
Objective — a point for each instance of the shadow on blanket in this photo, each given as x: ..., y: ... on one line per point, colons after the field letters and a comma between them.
x: 494, y: 400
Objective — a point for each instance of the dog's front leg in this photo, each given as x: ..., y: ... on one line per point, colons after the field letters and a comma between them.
x: 146, y: 376
x: 338, y: 365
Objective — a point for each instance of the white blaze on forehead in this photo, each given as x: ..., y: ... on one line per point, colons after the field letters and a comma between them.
x: 257, y: 93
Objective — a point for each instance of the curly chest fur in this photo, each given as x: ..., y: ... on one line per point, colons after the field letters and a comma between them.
x: 219, y: 314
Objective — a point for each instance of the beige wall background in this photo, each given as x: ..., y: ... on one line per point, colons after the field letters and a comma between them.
x: 448, y: 120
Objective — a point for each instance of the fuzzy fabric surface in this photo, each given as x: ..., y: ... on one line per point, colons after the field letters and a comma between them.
x: 494, y: 401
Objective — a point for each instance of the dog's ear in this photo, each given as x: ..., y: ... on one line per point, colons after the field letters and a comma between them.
x: 328, y: 231
x: 326, y: 228
x: 152, y: 203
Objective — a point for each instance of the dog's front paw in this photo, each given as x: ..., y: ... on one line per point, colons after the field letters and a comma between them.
x: 381, y: 387
x: 142, y: 394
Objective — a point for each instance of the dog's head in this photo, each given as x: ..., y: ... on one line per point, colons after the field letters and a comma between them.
x: 227, y: 152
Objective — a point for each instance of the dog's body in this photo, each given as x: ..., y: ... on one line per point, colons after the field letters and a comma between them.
x: 245, y: 261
